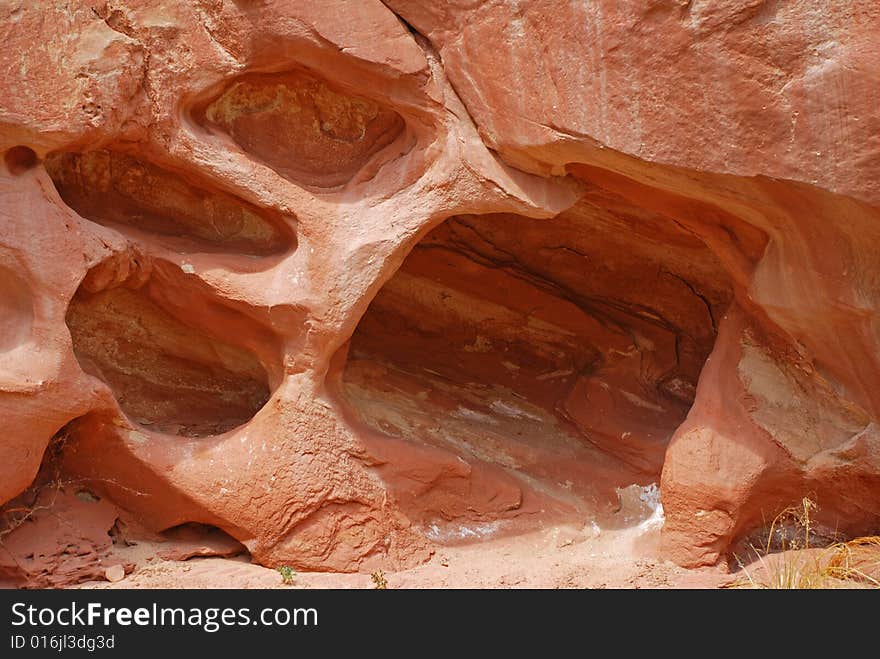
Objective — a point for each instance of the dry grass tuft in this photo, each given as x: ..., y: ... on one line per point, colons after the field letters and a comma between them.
x: 797, y: 565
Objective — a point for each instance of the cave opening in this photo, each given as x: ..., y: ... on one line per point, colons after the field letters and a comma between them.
x: 20, y: 159
x: 149, y: 202
x: 152, y: 339
x: 566, y: 351
x: 306, y: 128
x: 197, y: 540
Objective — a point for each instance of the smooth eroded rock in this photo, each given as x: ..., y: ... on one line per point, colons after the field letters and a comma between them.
x: 353, y: 280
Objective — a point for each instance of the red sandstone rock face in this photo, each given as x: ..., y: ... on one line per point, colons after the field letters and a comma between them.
x: 349, y: 281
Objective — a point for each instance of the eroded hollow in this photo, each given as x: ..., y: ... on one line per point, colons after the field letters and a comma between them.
x: 166, y: 375
x: 116, y: 189
x: 306, y: 129
x: 565, y: 350
x: 192, y: 540
x: 20, y: 159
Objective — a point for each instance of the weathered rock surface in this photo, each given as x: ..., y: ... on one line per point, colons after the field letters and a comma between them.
x: 348, y: 280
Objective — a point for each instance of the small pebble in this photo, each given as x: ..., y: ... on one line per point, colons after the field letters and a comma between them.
x: 114, y: 573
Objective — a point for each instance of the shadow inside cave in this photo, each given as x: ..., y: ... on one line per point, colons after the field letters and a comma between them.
x: 565, y: 351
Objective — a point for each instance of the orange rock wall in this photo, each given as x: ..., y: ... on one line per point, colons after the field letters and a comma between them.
x: 344, y: 279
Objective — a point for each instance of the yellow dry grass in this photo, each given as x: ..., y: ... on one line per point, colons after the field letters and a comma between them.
x: 851, y: 564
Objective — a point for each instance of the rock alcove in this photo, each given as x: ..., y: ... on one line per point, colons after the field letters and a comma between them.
x: 565, y: 351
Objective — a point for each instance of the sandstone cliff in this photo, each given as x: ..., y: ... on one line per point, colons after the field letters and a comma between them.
x: 349, y: 279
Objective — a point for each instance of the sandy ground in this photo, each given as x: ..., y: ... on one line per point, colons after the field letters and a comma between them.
x: 555, y: 557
